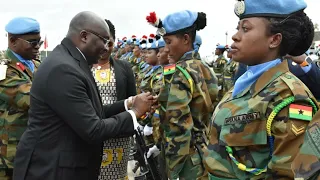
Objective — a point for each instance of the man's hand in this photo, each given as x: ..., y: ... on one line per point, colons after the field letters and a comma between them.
x: 297, y: 59
x: 142, y: 103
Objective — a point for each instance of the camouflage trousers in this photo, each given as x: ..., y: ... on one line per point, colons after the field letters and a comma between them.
x: 190, y: 169
x: 6, y: 174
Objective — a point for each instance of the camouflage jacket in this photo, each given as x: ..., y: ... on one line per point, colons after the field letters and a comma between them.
x: 145, y: 86
x: 135, y: 61
x: 228, y: 75
x: 241, y: 123
x: 156, y: 85
x: 306, y: 165
x: 187, y: 105
x: 141, y: 75
x: 15, y: 101
x: 219, y: 65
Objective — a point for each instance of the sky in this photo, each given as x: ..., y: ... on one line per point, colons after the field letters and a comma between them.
x: 129, y: 17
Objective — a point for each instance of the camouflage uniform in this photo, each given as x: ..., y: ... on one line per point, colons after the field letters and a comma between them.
x: 15, y: 101
x: 228, y: 75
x: 143, y: 69
x: 145, y: 86
x: 241, y: 132
x: 187, y: 104
x: 218, y: 68
x: 156, y: 84
x: 135, y: 61
x: 306, y: 165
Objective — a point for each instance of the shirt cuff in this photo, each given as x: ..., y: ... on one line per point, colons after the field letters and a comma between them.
x: 134, y: 119
x: 306, y: 69
x: 125, y: 104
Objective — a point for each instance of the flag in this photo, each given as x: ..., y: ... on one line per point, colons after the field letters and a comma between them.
x: 300, y: 112
x: 169, y: 69
x: 45, y: 43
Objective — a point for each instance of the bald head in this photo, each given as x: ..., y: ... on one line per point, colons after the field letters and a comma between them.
x: 87, y: 20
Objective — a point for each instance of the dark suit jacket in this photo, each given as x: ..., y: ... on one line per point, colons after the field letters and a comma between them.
x: 310, y: 79
x: 67, y: 122
x: 125, y: 82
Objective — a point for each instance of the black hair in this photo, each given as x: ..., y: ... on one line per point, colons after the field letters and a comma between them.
x: 155, y: 49
x: 199, y: 24
x: 297, y: 33
x: 112, y: 29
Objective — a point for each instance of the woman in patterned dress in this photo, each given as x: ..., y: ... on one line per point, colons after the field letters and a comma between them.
x: 115, y: 81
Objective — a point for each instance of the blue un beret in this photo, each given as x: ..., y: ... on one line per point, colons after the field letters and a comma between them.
x: 160, y: 43
x: 129, y: 41
x: 143, y: 46
x: 23, y: 25
x: 152, y: 45
x: 221, y: 47
x: 137, y: 42
x: 178, y: 21
x: 268, y: 8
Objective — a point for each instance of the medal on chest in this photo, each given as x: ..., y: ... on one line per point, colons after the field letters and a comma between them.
x: 102, y: 75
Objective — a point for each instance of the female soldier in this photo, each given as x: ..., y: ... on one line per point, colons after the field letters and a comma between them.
x: 187, y: 94
x: 258, y: 127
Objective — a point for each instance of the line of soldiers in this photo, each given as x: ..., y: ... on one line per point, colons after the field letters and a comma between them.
x: 191, y: 135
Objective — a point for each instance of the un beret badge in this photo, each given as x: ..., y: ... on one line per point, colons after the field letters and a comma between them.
x: 161, y: 31
x: 240, y: 7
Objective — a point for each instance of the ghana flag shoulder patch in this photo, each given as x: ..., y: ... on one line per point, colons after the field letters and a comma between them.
x: 301, y: 112
x: 169, y: 69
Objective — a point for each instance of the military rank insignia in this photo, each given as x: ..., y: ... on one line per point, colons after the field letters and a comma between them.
x: 296, y: 130
x: 240, y: 7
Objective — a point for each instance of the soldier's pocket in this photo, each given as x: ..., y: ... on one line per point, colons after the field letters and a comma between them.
x: 243, y: 134
x: 197, y: 167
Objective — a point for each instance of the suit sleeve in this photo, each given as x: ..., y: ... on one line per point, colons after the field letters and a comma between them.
x: 312, y: 80
x: 69, y: 99
x: 113, y: 109
x: 16, y: 89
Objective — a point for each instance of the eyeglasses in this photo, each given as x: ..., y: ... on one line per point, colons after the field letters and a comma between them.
x: 33, y: 43
x: 105, y: 40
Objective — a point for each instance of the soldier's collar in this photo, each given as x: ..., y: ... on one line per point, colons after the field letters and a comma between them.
x: 267, y: 77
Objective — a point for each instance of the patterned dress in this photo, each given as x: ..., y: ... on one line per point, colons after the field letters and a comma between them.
x: 115, y: 150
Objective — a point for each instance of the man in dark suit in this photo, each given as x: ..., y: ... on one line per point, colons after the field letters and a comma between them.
x: 67, y: 122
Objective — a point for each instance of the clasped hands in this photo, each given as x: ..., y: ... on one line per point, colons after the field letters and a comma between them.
x: 142, y: 103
